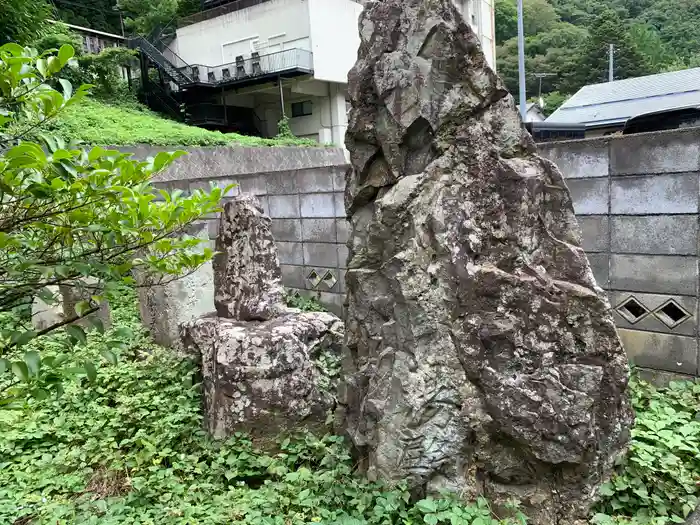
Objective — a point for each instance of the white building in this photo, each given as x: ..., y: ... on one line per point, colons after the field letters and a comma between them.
x: 533, y: 112
x: 253, y: 54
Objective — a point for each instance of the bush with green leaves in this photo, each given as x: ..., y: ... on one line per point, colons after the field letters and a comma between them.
x: 284, y: 130
x: 658, y: 482
x: 57, y: 35
x: 294, y: 299
x: 130, y: 449
x: 70, y: 215
x: 102, y: 71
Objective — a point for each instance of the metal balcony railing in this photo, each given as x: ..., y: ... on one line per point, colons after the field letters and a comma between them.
x: 250, y: 68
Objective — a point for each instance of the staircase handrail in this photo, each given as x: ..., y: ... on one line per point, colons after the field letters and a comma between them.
x: 159, y: 58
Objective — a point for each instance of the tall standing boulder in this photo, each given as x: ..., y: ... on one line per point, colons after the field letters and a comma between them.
x: 481, y: 356
x: 247, y: 274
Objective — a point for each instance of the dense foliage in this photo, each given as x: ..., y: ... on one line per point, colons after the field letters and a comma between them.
x: 568, y: 40
x: 131, y: 16
x: 71, y: 216
x: 130, y: 450
x: 23, y: 20
x: 658, y: 481
x: 101, y: 15
x: 100, y: 123
x: 101, y: 70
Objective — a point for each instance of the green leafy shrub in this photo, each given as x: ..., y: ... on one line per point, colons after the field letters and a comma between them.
x: 23, y: 20
x: 101, y: 123
x: 102, y: 71
x: 57, y: 35
x: 657, y: 482
x: 305, y: 304
x: 131, y: 450
x: 69, y: 216
x: 284, y: 130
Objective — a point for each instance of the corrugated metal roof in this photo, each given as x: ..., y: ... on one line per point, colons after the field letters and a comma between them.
x: 615, y: 102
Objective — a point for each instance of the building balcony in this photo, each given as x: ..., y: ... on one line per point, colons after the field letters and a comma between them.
x: 257, y: 69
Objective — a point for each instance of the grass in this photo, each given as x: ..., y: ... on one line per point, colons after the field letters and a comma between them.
x: 128, y: 448
x: 99, y: 123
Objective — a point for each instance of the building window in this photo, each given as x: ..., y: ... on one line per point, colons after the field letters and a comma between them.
x: 302, y: 109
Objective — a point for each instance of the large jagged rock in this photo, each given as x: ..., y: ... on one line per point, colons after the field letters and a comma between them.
x: 247, y: 275
x: 481, y: 357
x: 264, y: 366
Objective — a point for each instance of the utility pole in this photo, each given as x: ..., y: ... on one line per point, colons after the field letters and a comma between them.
x: 540, y: 76
x: 279, y: 81
x: 521, y: 61
x: 611, y: 63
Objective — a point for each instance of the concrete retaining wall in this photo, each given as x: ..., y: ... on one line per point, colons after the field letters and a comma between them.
x: 637, y: 200
x: 301, y: 189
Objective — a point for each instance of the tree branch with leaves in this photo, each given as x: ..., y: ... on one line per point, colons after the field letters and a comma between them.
x: 71, y: 215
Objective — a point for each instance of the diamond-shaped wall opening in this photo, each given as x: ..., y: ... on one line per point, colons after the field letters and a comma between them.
x: 314, y: 278
x: 329, y: 279
x: 672, y: 314
x: 632, y: 310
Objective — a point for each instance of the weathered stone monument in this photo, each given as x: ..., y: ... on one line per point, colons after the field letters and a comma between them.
x: 259, y: 358
x: 164, y: 307
x: 481, y: 356
x: 66, y: 297
x: 247, y: 275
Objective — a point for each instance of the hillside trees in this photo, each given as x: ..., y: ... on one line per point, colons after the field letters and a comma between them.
x: 137, y: 16
x: 23, y: 20
x: 146, y: 16
x: 650, y: 36
x: 591, y: 64
x: 95, y: 14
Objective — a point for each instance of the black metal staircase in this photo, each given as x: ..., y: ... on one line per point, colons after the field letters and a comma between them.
x: 181, y: 96
x: 159, y: 99
x: 182, y: 76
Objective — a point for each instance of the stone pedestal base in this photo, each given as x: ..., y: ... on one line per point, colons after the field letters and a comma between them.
x: 262, y: 378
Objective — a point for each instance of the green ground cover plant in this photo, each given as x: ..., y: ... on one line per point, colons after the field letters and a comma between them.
x: 658, y: 481
x: 127, y: 446
x: 294, y: 299
x: 100, y: 123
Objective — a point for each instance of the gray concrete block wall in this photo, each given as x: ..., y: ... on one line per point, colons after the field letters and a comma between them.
x: 637, y: 199
x: 301, y: 189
